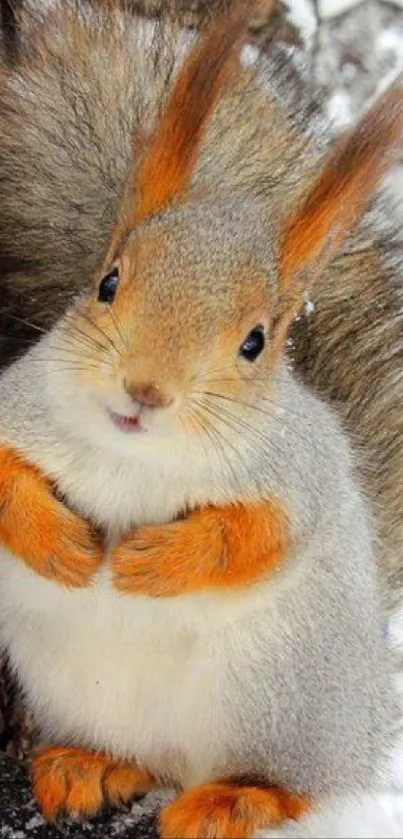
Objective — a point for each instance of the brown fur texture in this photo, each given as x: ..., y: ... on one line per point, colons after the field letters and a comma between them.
x: 58, y: 211
x: 9, y: 29
x: 268, y: 19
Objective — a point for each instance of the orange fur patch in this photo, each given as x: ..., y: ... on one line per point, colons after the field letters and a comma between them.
x: 216, y: 547
x: 334, y: 204
x: 40, y: 530
x: 167, y: 169
x: 78, y: 782
x: 345, y: 186
x: 224, y: 811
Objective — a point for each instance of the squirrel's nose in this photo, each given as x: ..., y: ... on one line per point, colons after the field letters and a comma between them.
x: 148, y: 393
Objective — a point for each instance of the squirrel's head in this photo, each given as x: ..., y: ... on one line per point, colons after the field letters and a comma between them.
x: 189, y: 316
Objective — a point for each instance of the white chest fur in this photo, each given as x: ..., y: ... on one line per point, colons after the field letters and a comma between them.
x: 145, y: 487
x: 140, y: 677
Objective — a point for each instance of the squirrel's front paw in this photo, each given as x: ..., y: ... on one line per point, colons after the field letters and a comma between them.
x: 168, y: 560
x: 60, y: 546
x: 37, y: 528
x: 215, y: 547
x: 148, y: 560
x: 73, y: 553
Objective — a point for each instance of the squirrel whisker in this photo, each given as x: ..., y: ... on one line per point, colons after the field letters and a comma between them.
x: 102, y: 332
x: 119, y: 332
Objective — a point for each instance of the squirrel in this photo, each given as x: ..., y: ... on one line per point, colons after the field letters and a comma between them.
x: 189, y: 585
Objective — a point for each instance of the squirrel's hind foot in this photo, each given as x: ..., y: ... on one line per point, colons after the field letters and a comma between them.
x: 227, y: 811
x: 70, y: 781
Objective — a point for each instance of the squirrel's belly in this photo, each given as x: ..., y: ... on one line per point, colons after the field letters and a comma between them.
x: 130, y: 675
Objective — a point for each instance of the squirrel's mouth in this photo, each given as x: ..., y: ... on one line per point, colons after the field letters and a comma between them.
x: 125, y: 423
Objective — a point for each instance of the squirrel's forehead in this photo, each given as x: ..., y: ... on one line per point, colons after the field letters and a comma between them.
x: 195, y: 269
x: 204, y: 247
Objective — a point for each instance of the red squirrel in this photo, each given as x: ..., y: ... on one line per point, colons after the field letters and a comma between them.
x: 189, y: 588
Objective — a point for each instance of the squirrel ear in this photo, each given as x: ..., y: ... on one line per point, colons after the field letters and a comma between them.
x: 168, y: 166
x: 338, y: 198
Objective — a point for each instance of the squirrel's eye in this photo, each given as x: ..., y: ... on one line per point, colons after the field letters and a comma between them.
x: 253, y: 344
x: 108, y: 286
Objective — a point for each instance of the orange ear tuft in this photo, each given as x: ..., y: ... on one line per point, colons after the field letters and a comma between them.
x: 167, y: 169
x: 344, y: 187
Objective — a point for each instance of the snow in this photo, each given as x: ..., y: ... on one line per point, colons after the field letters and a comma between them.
x: 333, y: 8
x: 303, y: 17
x: 339, y: 110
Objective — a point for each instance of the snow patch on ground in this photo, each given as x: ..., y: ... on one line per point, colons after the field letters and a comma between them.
x: 303, y: 17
